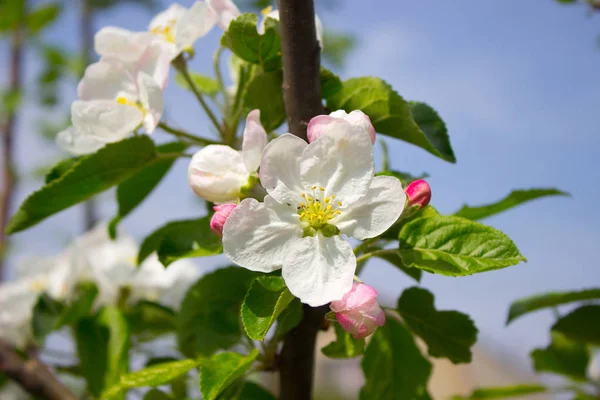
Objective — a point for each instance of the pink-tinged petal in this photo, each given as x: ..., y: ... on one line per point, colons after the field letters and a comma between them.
x: 151, y: 98
x: 419, y: 193
x: 349, y: 324
x: 323, y: 124
x: 360, y: 120
x: 168, y: 17
x: 356, y: 297
x: 156, y: 62
x: 226, y: 11
x: 218, y: 219
x: 380, y: 318
x: 254, y: 141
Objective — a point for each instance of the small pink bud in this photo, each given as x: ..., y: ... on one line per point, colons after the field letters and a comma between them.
x: 419, y: 194
x: 220, y: 216
x: 358, y: 311
x: 321, y: 124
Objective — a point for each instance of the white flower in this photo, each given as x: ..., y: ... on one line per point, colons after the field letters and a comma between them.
x: 218, y: 173
x: 270, y: 13
x: 316, y: 193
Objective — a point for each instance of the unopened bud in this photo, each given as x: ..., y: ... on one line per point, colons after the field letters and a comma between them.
x: 419, y: 194
x: 358, y: 311
x: 321, y: 124
x: 219, y: 217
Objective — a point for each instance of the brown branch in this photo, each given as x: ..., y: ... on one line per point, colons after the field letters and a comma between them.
x: 32, y: 375
x: 302, y: 95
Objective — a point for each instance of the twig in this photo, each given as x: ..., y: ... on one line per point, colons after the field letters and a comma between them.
x: 182, y: 134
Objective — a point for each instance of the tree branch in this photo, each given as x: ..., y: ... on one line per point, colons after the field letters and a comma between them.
x: 32, y: 375
x: 302, y: 96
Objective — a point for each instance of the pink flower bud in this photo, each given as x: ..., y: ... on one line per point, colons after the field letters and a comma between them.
x: 358, y: 311
x: 357, y: 121
x: 419, y: 194
x: 220, y: 216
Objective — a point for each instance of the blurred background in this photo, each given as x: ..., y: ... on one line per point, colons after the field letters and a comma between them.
x: 516, y: 82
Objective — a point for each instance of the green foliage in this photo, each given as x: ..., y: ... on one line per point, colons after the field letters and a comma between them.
x: 455, y: 246
x: 267, y: 297
x: 90, y: 175
x: 391, y: 115
x: 393, y: 365
x: 181, y: 239
x: 264, y: 93
x: 244, y: 40
x: 205, y: 84
x: 396, y: 261
x: 156, y: 394
x: 153, y: 376
x: 41, y: 17
x: 209, y: 316
x: 529, y: 304
x: 448, y: 334
x: 581, y: 325
x: 514, y: 199
x: 289, y: 318
x: 221, y: 370
x: 330, y: 83
x: 503, y: 392
x: 562, y: 356
x: 134, y: 190
x: 151, y: 319
x: 60, y: 169
x: 245, y: 390
x: 80, y: 305
x: 46, y: 316
x: 344, y: 345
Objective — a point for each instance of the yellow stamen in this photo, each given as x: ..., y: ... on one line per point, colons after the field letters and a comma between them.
x: 266, y: 10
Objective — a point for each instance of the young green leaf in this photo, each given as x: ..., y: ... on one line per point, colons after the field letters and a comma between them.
x: 91, y: 341
x: 503, y: 392
x: 514, y: 199
x: 80, y: 305
x: 41, y: 17
x: 330, y: 83
x: 391, y: 115
x: 289, y: 318
x: 151, y: 319
x: 209, y: 315
x: 90, y: 175
x: 252, y: 391
x: 455, y: 246
x: 267, y: 297
x: 221, y: 370
x: 117, y: 346
x: 205, y: 84
x: 562, y: 356
x: 344, y: 345
x: 244, y: 40
x: 393, y: 365
x: 581, y: 325
x: 547, y: 300
x: 264, y: 93
x: 448, y: 334
x: 181, y: 239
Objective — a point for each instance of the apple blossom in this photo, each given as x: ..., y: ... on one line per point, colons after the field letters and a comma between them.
x: 219, y: 174
x: 270, y: 13
x: 321, y: 124
x: 220, y: 216
x: 358, y: 311
x: 316, y: 193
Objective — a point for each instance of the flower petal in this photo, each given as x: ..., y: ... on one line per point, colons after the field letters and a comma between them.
x: 226, y: 11
x: 74, y: 142
x: 318, y: 269
x: 194, y: 24
x: 107, y: 79
x: 376, y: 211
x: 151, y: 97
x: 257, y: 235
x: 156, y: 61
x: 340, y: 161
x: 121, y: 43
x: 167, y: 17
x: 105, y: 120
x: 254, y: 142
x: 280, y: 168
x: 217, y: 173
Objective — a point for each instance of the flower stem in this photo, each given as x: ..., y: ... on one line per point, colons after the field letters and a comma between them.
x: 181, y: 134
x: 376, y: 253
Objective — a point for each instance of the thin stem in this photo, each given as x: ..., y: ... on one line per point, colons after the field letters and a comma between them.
x: 217, y: 67
x: 376, y: 253
x: 182, y: 134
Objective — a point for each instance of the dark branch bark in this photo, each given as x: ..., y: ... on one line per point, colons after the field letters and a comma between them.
x: 32, y: 375
x: 302, y: 95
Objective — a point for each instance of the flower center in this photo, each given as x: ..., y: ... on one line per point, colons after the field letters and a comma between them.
x: 166, y: 31
x: 317, y: 210
x: 266, y: 10
x: 123, y: 100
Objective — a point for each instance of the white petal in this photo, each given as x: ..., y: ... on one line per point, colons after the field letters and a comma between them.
x: 151, y: 97
x: 257, y: 235
x: 169, y: 17
x: 105, y: 120
x: 156, y: 61
x: 226, y: 11
x: 340, y: 161
x: 217, y: 173
x: 121, y: 43
x: 107, y: 79
x: 376, y: 212
x: 74, y: 142
x: 280, y: 168
x: 318, y: 269
x: 254, y: 142
x: 194, y: 24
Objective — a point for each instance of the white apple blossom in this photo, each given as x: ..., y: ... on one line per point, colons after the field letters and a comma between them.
x: 270, y: 13
x: 219, y: 173
x: 316, y: 193
x: 321, y: 124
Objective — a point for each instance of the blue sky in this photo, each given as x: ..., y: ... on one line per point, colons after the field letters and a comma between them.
x: 517, y: 84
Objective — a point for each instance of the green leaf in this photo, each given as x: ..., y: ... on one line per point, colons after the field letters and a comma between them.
x: 60, y: 169
x: 396, y: 261
x: 205, y: 84
x: 394, y: 231
x: 134, y: 190
x: 581, y: 325
x: 330, y: 83
x: 404, y: 177
x: 209, y: 316
x: 88, y: 176
x: 152, y: 319
x: 547, y: 300
x: 252, y: 391
x: 391, y: 115
x: 448, y: 334
x: 514, y: 199
x: 91, y: 341
x: 244, y: 40
x: 289, y: 318
x: 503, y: 392
x: 344, y: 346
x: 393, y: 365
x: 264, y: 93
x: 455, y: 246
x: 221, y: 370
x: 267, y: 297
x: 41, y: 17
x: 181, y: 239
x: 562, y: 356
x: 81, y: 304
x: 156, y: 394
x: 47, y: 313
x: 156, y: 375
x: 117, y: 347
